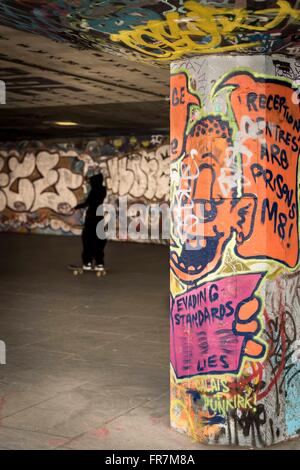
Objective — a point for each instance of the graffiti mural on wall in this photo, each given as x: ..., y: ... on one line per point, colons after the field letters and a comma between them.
x: 234, y: 252
x: 164, y: 30
x: 40, y: 184
x: 274, y: 172
x: 38, y: 188
x: 213, y: 326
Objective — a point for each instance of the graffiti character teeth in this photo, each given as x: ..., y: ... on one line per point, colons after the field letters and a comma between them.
x: 194, y: 258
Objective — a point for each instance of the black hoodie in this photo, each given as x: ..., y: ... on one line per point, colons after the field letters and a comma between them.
x: 95, y: 197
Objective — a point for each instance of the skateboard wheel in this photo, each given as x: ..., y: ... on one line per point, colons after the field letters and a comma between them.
x: 98, y: 274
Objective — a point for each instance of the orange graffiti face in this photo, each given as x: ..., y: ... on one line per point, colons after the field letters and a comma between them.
x: 207, y: 208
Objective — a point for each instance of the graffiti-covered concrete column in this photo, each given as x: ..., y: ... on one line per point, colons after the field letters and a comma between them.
x: 235, y: 301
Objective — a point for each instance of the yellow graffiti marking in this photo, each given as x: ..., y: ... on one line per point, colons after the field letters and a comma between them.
x: 185, y: 417
x: 201, y: 30
x: 180, y: 414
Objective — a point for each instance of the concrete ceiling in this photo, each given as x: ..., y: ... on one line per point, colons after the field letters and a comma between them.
x: 47, y: 81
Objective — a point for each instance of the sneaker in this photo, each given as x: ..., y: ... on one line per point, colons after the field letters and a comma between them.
x: 99, y: 267
x: 87, y: 267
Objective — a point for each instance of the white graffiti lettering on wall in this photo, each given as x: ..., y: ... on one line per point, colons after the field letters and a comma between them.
x: 141, y: 175
x: 52, y: 187
x: 40, y: 186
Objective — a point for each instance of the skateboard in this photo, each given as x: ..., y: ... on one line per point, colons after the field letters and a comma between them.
x: 80, y: 270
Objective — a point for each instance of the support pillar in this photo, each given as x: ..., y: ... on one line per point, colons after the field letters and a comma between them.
x: 234, y: 256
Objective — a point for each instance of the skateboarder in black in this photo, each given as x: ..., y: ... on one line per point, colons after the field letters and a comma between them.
x: 93, y: 247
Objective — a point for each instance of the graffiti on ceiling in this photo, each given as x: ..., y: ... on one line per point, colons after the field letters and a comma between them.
x: 164, y: 30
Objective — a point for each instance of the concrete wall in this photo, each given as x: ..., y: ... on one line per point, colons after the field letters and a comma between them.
x: 41, y: 181
x: 235, y: 311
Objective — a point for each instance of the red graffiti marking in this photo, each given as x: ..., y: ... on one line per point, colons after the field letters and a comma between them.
x: 271, y: 351
x: 101, y: 432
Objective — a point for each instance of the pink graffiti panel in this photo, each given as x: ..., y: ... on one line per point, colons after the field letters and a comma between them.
x: 206, y: 332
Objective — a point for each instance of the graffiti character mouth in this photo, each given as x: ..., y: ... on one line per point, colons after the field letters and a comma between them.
x: 194, y: 260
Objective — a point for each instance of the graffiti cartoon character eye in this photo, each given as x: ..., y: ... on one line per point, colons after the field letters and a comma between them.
x: 206, y: 210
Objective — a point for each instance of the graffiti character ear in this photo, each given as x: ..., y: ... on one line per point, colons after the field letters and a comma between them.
x: 244, y: 210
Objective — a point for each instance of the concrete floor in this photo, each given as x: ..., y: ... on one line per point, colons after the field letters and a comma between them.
x: 87, y: 358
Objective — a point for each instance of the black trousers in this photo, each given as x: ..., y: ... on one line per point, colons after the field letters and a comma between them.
x: 93, y: 247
